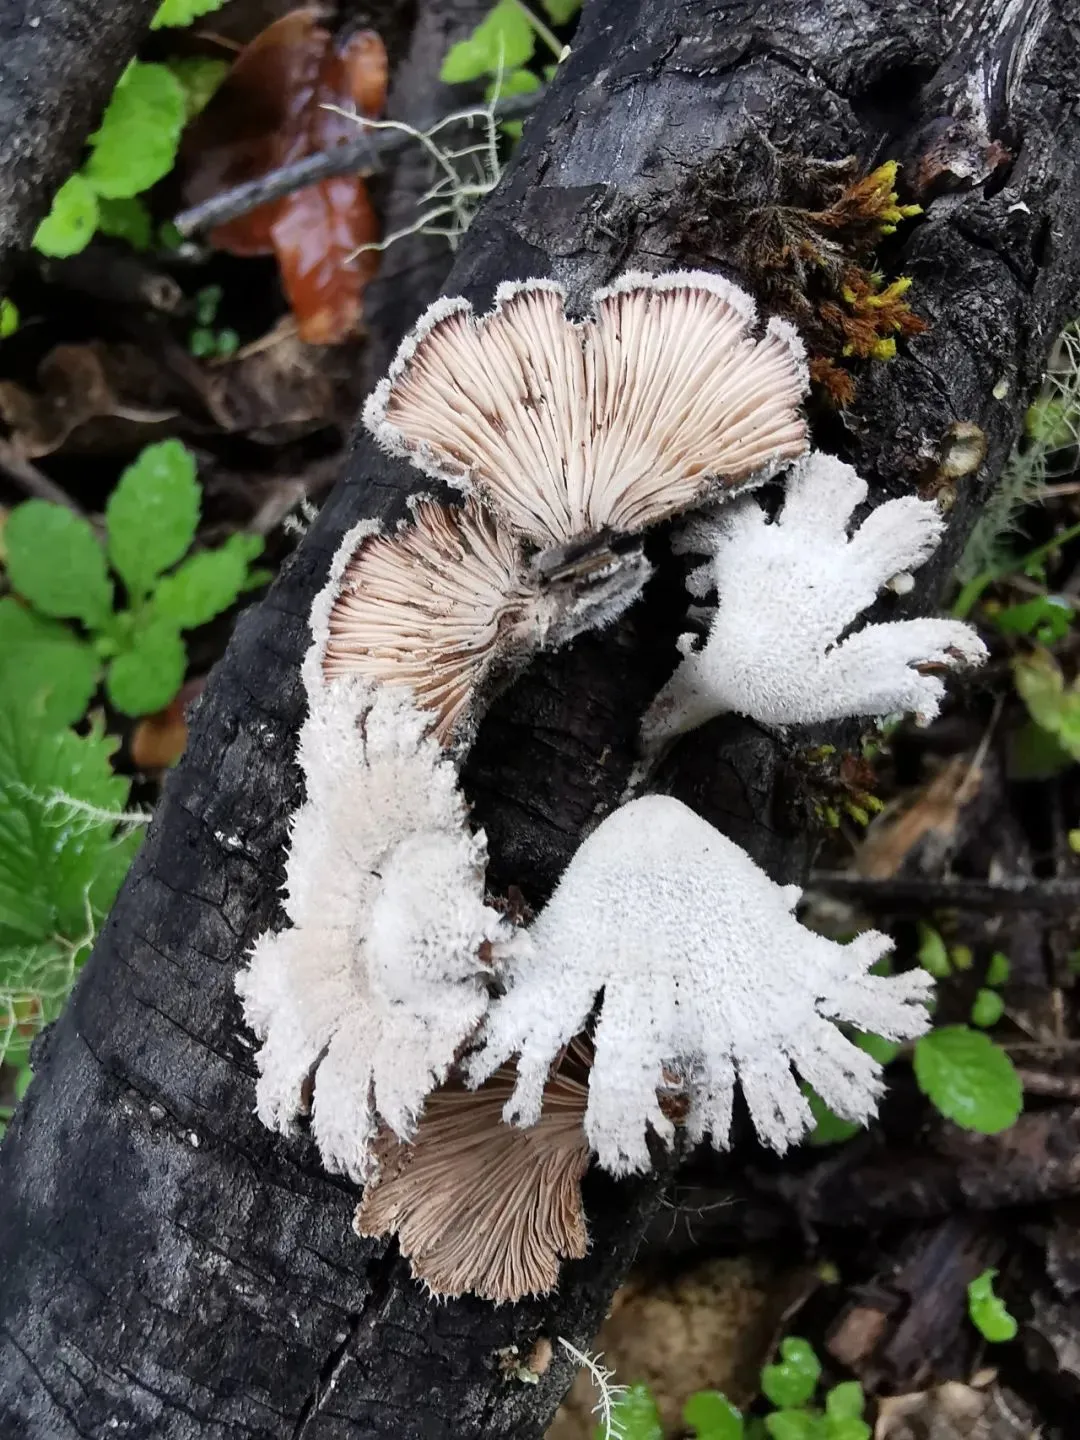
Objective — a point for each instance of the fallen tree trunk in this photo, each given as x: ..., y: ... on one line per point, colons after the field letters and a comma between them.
x: 170, y: 1268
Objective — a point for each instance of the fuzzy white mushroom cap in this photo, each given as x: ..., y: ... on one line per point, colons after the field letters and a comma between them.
x: 449, y: 605
x: 380, y: 980
x: 789, y: 590
x: 660, y: 399
x: 706, y: 975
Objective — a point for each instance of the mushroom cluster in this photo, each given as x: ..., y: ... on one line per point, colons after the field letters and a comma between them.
x: 467, y: 1067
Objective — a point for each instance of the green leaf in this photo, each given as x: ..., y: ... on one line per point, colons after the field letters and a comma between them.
x: 199, y: 77
x: 987, y: 1009
x: 932, y: 953
x: 1047, y: 617
x: 127, y: 219
x: 845, y: 1428
x: 145, y: 678
x: 207, y: 583
x: 51, y: 853
x: 845, y: 1401
x: 9, y: 317
x: 45, y: 665
x: 793, y: 1425
x: 137, y: 141
x: 1032, y: 753
x: 561, y: 11
x: 1051, y: 703
x: 152, y: 515
x: 71, y: 222
x: 999, y: 969
x: 989, y: 1313
x: 182, y: 12
x: 969, y: 1078
x: 793, y: 1379
x: 634, y: 1416
x: 207, y: 301
x: 829, y: 1128
x: 54, y: 561
x: 712, y: 1416
x: 504, y: 40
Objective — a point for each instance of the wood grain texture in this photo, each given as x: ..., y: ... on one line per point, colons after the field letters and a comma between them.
x: 169, y: 1268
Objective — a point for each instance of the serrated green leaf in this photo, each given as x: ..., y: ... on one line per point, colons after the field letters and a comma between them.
x: 793, y: 1425
x: 561, y: 11
x: 44, y: 665
x: 634, y: 1416
x: 988, y: 1312
x: 712, y: 1416
x: 207, y: 583
x: 137, y: 141
x: 72, y: 219
x: 50, y: 851
x: 1051, y: 703
x: 54, y: 561
x: 845, y: 1401
x: 126, y: 219
x: 793, y: 1379
x: 145, y: 678
x: 969, y: 1078
x: 9, y: 317
x: 199, y: 77
x: 987, y: 1009
x: 504, y: 39
x: 173, y: 13
x: 152, y: 515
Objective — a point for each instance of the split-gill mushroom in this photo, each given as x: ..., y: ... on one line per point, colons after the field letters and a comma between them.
x: 778, y: 648
x: 481, y: 1206
x: 706, y: 975
x: 659, y: 400
x: 450, y: 605
x: 381, y: 979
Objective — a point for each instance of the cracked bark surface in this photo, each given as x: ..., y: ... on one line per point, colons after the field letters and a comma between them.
x: 171, y: 1269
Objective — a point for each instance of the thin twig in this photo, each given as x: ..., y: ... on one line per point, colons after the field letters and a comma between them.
x: 368, y: 154
x: 1021, y: 893
x: 31, y: 480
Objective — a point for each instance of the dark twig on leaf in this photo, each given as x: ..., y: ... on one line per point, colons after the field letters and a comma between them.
x: 30, y: 479
x: 368, y: 154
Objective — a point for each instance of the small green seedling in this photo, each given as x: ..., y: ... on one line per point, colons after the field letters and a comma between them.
x: 205, y: 342
x: 59, y: 570
x: 9, y: 317
x: 502, y: 46
x: 988, y: 1313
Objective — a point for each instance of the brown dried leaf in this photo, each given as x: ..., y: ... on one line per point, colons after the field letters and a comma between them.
x: 953, y: 1412
x: 929, y: 821
x: 270, y: 111
x: 75, y: 385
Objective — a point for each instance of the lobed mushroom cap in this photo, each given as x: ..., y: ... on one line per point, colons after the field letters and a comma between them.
x: 659, y: 399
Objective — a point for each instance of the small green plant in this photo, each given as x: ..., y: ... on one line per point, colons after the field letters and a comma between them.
x: 204, y: 341
x: 988, y: 1313
x: 65, y: 846
x: 502, y: 47
x: 59, y: 569
x: 134, y: 147
x: 790, y: 1386
x: 9, y: 317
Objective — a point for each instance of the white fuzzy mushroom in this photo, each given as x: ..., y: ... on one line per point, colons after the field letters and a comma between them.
x: 380, y: 980
x: 449, y: 605
x: 661, y: 399
x: 789, y: 591
x: 706, y: 976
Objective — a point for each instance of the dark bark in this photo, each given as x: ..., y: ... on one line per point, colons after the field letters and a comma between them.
x: 59, y: 61
x: 167, y: 1264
